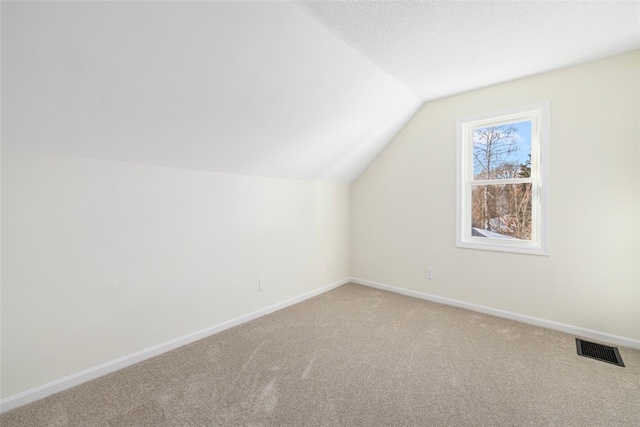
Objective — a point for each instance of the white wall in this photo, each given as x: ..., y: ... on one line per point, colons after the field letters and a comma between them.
x: 403, y: 205
x: 103, y: 259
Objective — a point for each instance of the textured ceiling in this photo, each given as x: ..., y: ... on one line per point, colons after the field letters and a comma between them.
x: 299, y: 90
x: 438, y: 48
x: 250, y: 88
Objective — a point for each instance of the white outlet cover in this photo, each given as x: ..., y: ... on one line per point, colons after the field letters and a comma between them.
x: 429, y: 273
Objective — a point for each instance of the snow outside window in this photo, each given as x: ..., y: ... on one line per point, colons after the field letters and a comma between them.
x: 503, y: 180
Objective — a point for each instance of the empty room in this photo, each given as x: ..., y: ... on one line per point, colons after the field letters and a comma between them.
x: 320, y: 213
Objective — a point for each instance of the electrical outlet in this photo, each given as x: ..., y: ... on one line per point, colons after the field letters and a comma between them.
x: 429, y: 273
x: 262, y: 284
x: 329, y: 266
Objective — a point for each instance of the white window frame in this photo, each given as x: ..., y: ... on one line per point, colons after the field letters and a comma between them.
x: 540, y: 117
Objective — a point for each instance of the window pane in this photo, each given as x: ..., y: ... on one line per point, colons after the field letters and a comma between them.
x: 503, y: 151
x: 501, y: 211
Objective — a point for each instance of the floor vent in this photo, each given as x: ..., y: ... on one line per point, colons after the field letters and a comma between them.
x: 600, y: 352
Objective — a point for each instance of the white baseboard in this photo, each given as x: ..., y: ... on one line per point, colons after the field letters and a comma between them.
x: 549, y: 324
x: 61, y: 384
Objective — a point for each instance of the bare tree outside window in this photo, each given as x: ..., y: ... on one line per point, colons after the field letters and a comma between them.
x: 502, y: 210
x: 503, y: 181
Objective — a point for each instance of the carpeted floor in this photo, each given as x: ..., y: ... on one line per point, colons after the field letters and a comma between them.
x: 357, y: 356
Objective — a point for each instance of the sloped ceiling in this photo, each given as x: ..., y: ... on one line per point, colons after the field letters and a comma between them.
x: 252, y: 88
x: 438, y: 48
x: 303, y: 90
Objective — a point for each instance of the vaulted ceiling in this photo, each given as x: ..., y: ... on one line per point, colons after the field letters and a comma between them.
x: 438, y: 48
x: 303, y: 90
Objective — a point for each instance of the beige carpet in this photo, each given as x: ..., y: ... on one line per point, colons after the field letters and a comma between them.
x: 357, y: 356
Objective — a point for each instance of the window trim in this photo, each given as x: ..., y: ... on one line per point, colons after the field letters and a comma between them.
x: 539, y: 244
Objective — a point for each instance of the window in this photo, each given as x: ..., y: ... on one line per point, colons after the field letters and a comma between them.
x: 503, y: 180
